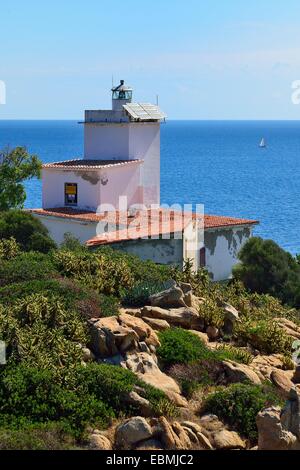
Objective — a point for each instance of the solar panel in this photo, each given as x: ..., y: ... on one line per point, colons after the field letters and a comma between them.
x: 144, y: 111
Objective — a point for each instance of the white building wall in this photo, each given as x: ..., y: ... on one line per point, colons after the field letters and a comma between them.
x: 54, y: 188
x: 106, y: 141
x: 121, y: 181
x: 58, y: 227
x: 222, y: 247
x: 144, y: 143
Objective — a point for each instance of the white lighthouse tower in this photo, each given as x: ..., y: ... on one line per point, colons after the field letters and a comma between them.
x: 129, y: 131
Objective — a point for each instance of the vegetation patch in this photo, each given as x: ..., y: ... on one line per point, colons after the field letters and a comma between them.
x: 239, y: 404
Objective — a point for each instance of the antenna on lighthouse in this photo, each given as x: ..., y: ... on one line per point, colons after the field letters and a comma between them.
x: 112, y: 81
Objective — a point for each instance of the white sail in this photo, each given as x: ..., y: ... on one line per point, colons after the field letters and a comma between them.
x: 262, y: 143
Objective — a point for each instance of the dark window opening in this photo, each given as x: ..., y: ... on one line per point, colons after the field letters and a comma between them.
x: 202, y: 258
x: 71, y: 195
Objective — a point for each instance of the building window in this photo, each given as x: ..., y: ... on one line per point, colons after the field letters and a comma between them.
x: 202, y: 258
x: 71, y: 195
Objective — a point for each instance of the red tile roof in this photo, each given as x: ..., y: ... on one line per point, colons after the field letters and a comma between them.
x: 82, y: 164
x: 142, y: 224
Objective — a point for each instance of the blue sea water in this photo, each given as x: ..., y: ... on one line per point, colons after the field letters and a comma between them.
x: 216, y: 163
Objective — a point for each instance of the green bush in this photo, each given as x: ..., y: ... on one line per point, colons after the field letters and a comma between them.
x: 138, y: 296
x: 26, y: 267
x: 109, y: 305
x: 90, y: 395
x: 265, y: 335
x: 95, y: 270
x: 180, y: 346
x: 267, y: 268
x: 9, y: 248
x: 41, y: 332
x: 26, y: 229
x: 239, y: 404
x: 42, y: 436
x: 70, y: 293
x: 29, y: 396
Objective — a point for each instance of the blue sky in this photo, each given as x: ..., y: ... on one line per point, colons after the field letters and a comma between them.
x: 206, y: 59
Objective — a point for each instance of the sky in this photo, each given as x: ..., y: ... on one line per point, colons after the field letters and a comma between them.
x: 206, y: 59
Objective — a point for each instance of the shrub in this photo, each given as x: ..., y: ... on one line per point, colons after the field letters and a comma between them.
x: 42, y: 436
x: 29, y: 396
x: 228, y: 352
x: 109, y: 305
x: 267, y: 268
x: 26, y: 267
x: 191, y: 377
x: 41, y: 332
x: 27, y: 230
x: 138, y: 296
x: 211, y: 313
x: 180, y: 346
x: 70, y: 293
x: 9, y: 248
x: 96, y: 271
x: 239, y: 404
x: 265, y: 335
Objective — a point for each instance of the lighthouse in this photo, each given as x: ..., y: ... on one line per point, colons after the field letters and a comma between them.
x: 129, y: 131
x: 121, y: 161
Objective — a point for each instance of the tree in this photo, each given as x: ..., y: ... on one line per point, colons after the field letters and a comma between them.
x: 268, y: 269
x: 27, y: 230
x: 16, y: 166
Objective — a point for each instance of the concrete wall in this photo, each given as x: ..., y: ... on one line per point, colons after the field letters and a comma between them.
x: 54, y: 188
x: 128, y: 141
x: 58, y: 227
x: 222, y: 248
x: 121, y: 181
x: 94, y: 187
x: 144, y: 143
x: 160, y: 251
x: 106, y: 141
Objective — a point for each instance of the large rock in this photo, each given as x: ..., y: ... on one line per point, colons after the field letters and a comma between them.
x: 157, y: 324
x: 290, y: 328
x: 264, y: 365
x: 97, y: 441
x: 142, y: 404
x: 290, y: 416
x: 231, y: 317
x: 172, y: 297
x: 185, y: 317
x: 115, y: 335
x: 227, y: 440
x: 271, y: 435
x: 142, y: 329
x: 281, y: 380
x: 131, y: 432
x: 235, y: 372
x: 173, y: 436
x: 146, y: 368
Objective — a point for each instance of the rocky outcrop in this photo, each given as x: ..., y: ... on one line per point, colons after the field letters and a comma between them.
x: 157, y: 324
x: 97, y: 441
x: 281, y: 380
x: 290, y: 328
x: 235, y: 372
x: 185, y: 317
x: 228, y: 440
x: 280, y: 430
x: 231, y: 317
x: 264, y: 365
x: 116, y: 335
x: 169, y: 298
x: 145, y: 366
x: 131, y: 432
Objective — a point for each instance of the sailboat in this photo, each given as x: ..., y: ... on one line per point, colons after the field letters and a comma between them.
x: 262, y: 143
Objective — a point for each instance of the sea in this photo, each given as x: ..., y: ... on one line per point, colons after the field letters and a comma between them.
x: 215, y: 163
